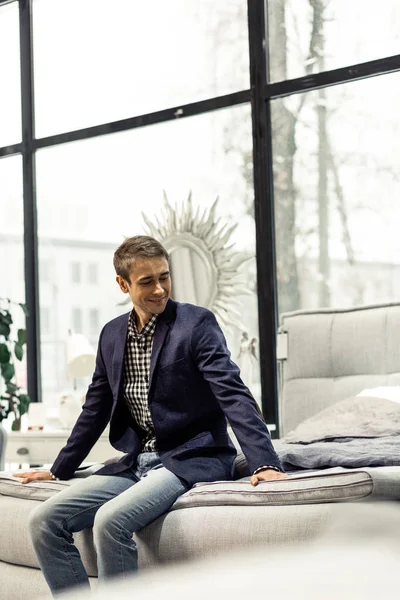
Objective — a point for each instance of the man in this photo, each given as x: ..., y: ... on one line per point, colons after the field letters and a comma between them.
x: 165, y: 382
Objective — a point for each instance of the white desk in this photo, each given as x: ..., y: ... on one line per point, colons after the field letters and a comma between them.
x: 42, y: 447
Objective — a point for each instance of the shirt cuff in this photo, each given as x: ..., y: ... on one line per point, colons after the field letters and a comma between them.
x: 267, y: 467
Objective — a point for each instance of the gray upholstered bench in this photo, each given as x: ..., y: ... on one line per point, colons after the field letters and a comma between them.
x: 210, y: 519
x: 332, y: 355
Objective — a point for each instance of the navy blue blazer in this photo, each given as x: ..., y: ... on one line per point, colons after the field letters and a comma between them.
x: 193, y: 388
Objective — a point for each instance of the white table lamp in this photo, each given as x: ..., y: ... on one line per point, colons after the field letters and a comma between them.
x: 81, y: 357
x: 36, y: 415
x: 81, y: 360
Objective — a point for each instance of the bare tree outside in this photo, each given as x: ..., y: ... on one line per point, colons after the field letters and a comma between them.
x: 321, y: 214
x: 284, y: 149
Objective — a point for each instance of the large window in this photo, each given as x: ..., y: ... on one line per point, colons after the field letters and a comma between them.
x: 99, y: 61
x: 127, y: 100
x: 109, y: 182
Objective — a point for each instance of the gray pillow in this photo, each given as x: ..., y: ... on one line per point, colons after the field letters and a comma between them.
x: 357, y: 416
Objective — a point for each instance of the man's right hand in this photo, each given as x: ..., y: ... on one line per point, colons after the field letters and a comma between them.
x: 29, y: 476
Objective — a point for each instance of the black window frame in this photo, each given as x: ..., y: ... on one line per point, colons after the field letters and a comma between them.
x: 259, y: 95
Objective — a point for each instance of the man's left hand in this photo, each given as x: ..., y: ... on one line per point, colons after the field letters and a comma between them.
x: 267, y: 475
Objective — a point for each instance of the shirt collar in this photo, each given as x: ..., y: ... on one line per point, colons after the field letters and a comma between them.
x: 148, y: 329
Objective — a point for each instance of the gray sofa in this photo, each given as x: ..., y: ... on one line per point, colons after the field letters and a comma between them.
x: 325, y: 356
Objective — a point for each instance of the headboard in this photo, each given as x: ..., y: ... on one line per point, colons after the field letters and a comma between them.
x: 327, y: 355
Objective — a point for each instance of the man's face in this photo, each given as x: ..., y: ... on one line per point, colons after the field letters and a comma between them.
x: 150, y: 286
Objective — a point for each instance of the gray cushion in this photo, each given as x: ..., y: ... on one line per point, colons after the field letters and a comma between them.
x: 332, y: 485
x: 308, y: 487
x: 38, y: 490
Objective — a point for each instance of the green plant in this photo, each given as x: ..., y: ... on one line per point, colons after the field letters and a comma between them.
x: 12, y: 399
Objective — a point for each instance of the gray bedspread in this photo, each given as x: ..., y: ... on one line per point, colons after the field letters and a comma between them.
x: 342, y: 452
x: 355, y: 432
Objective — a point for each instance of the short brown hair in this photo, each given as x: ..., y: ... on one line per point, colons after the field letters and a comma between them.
x: 138, y: 246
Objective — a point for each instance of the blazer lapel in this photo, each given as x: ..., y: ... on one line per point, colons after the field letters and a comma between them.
x: 119, y: 351
x: 162, y: 328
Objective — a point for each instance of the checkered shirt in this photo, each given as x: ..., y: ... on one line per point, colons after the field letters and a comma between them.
x: 136, y: 377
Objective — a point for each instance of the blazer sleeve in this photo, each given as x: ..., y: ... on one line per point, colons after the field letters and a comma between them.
x: 91, y: 423
x: 212, y: 357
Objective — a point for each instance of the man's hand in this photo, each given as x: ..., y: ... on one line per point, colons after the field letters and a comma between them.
x: 29, y: 476
x: 267, y: 475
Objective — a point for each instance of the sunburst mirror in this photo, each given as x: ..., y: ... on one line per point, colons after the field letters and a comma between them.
x: 205, y: 267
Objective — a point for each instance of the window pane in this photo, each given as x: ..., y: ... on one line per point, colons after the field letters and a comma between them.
x: 45, y: 325
x: 11, y: 229
x: 75, y: 272
x: 108, y: 182
x: 76, y: 320
x: 44, y: 270
x: 10, y: 96
x: 337, y: 195
x: 12, y: 280
x: 335, y: 34
x: 92, y: 273
x: 131, y: 57
x: 94, y: 322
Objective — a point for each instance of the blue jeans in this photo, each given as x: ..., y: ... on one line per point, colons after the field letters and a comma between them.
x: 115, y: 506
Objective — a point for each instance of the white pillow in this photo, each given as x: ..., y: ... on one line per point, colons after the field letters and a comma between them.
x: 357, y: 416
x: 384, y: 391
